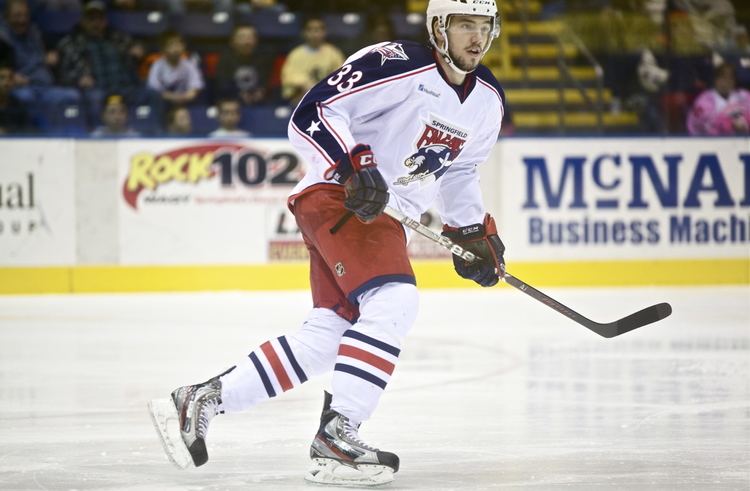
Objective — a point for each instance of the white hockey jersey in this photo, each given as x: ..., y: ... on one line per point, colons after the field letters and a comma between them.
x: 428, y: 136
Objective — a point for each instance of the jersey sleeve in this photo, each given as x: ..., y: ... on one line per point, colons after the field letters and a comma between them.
x: 368, y: 83
x: 459, y: 200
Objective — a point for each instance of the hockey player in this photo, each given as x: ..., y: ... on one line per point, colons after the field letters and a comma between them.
x: 399, y: 124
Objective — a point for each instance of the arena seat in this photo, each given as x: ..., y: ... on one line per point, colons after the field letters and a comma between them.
x: 204, y: 25
x: 145, y: 119
x: 203, y: 118
x: 344, y: 26
x: 272, y: 24
x: 139, y: 24
x: 63, y: 120
x: 57, y: 22
x: 266, y: 121
x: 408, y: 26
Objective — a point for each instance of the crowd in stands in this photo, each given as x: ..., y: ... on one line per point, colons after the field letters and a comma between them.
x: 238, y: 67
x: 167, y: 67
x: 659, y: 56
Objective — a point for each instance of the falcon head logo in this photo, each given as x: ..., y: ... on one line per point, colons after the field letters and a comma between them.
x: 432, y: 160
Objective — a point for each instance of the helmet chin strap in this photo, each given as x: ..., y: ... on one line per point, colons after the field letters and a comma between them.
x: 447, y: 57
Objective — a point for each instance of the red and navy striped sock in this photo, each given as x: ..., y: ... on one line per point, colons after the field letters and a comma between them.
x: 267, y: 372
x: 363, y: 368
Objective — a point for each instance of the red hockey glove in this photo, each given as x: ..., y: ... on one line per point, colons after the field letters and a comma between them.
x: 482, y: 240
x: 366, y: 190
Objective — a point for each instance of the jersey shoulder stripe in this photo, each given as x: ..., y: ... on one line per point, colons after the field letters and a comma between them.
x: 378, y: 64
x: 485, y: 76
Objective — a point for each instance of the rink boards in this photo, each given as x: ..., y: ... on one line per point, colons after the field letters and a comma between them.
x: 176, y: 215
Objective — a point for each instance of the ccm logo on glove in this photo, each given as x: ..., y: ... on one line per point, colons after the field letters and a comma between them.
x: 483, y: 241
x: 366, y: 190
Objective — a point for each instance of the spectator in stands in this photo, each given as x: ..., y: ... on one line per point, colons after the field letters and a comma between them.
x: 713, y: 21
x: 137, y: 4
x: 309, y: 62
x: 722, y: 110
x: 114, y: 118
x: 230, y: 115
x: 248, y: 6
x: 31, y: 57
x: 379, y: 29
x: 175, y: 76
x: 94, y: 56
x: 7, y: 57
x: 179, y: 122
x: 242, y: 71
x: 14, y: 117
x: 646, y: 98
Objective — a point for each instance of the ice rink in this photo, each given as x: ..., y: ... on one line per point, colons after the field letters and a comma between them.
x: 493, y: 391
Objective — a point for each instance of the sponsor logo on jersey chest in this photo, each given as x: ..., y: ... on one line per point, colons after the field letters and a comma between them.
x: 428, y: 91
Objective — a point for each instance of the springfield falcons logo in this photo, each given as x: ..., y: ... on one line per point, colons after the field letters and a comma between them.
x: 437, y: 147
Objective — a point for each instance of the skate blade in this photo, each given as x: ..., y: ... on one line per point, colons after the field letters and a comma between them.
x: 166, y: 421
x: 333, y: 473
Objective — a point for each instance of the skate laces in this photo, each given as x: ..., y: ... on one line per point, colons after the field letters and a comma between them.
x: 351, y: 431
x: 209, y: 407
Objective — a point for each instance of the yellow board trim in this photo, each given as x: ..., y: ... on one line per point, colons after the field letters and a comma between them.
x: 430, y: 274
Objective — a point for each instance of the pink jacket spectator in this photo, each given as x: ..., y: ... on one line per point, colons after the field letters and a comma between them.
x: 713, y: 115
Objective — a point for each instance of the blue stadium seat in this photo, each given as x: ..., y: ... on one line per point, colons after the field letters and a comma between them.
x: 344, y: 26
x: 57, y: 22
x: 272, y: 24
x: 204, y: 25
x: 55, y: 110
x: 203, y: 118
x: 266, y: 121
x: 145, y: 119
x: 64, y: 120
x: 139, y: 24
x: 408, y: 26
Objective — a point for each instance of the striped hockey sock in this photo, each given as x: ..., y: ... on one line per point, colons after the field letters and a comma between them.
x: 363, y: 368
x: 267, y: 372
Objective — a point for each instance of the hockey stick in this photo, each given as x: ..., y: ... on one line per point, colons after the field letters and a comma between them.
x: 608, y: 330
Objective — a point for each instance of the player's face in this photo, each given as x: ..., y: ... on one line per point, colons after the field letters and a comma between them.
x: 468, y: 35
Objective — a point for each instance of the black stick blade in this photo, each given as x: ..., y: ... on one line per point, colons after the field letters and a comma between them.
x: 642, y: 318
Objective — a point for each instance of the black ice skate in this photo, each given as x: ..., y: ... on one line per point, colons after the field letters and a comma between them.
x: 192, y: 408
x: 341, y: 458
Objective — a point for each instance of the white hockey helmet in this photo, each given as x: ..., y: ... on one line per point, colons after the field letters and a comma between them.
x: 443, y: 9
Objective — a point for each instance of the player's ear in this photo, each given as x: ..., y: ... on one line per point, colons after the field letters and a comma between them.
x: 438, y: 35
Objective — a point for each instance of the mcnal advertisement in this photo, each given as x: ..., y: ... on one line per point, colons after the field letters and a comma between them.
x: 626, y: 198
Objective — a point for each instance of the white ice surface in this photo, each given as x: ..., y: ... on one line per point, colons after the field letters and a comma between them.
x: 493, y: 390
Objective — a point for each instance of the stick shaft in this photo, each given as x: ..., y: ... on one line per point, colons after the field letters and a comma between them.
x: 607, y: 330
